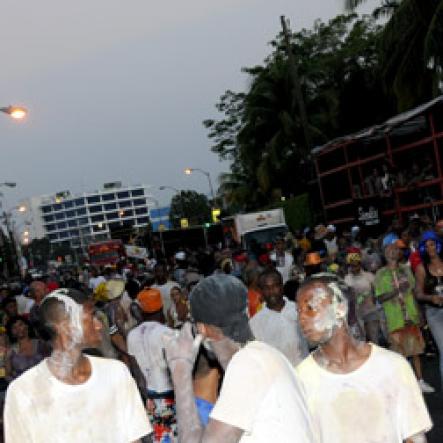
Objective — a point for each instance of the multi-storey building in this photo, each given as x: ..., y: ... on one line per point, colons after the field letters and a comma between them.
x: 81, y: 219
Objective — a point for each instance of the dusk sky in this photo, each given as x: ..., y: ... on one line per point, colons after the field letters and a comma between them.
x: 118, y: 90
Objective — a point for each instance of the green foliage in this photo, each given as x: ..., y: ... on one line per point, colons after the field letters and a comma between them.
x: 261, y: 132
x: 191, y: 205
x: 298, y: 212
x: 411, y: 49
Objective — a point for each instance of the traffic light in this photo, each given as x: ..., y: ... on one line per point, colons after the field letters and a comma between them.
x: 216, y: 215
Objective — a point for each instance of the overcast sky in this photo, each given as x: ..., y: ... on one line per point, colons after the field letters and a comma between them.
x: 118, y: 89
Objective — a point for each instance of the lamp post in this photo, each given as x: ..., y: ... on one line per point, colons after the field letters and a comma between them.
x: 189, y: 171
x: 15, y: 112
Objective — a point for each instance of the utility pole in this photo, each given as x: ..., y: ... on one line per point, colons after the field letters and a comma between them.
x: 297, y: 87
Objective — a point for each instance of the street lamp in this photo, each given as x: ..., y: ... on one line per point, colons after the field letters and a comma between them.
x: 189, y: 171
x: 15, y: 112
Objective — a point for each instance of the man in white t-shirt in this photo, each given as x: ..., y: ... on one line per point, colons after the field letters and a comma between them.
x: 362, y: 285
x: 277, y: 322
x: 71, y: 397
x: 145, y: 344
x: 164, y: 285
x: 95, y: 279
x: 260, y: 399
x: 283, y: 260
x: 356, y: 391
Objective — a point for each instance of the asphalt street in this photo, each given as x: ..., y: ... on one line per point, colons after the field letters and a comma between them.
x: 434, y: 401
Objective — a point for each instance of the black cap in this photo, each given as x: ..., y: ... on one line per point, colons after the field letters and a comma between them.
x: 221, y: 300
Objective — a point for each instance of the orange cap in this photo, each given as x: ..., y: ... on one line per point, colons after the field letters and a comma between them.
x: 150, y: 300
x: 313, y: 258
x: 401, y: 244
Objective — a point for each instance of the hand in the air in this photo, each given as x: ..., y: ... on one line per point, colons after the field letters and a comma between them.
x: 182, y: 348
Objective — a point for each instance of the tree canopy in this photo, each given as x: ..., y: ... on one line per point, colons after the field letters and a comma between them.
x: 191, y: 205
x: 260, y: 131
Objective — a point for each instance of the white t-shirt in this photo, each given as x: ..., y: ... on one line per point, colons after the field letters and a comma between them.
x: 361, y: 283
x: 95, y: 281
x: 380, y: 402
x: 146, y: 345
x: 331, y: 246
x: 24, y: 304
x: 281, y: 330
x: 283, y: 264
x: 165, y: 291
x: 107, y: 408
x: 262, y: 395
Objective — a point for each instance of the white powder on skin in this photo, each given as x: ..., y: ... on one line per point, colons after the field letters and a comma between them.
x: 62, y: 359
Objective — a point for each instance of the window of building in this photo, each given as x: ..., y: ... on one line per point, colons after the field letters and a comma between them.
x: 50, y: 227
x: 141, y: 211
x: 85, y: 230
x: 142, y: 220
x: 83, y: 221
x: 57, y: 207
x: 93, y: 199
x: 111, y: 215
x: 68, y: 204
x: 81, y: 211
x: 110, y: 206
x: 139, y: 201
x: 124, y: 194
x: 98, y: 228
x: 61, y: 225
x: 60, y: 216
x: 74, y: 233
x: 53, y: 236
x: 97, y: 208
x: 72, y: 223
x: 127, y: 213
x: 48, y: 218
x: 97, y: 218
x: 79, y: 202
x: 108, y: 197
x: 70, y: 214
x: 138, y: 192
x: 114, y: 225
x: 128, y: 222
x: 47, y: 209
x: 125, y: 204
x: 64, y: 234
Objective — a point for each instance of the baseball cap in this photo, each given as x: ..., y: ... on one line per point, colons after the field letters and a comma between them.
x: 221, y: 300
x: 150, y: 300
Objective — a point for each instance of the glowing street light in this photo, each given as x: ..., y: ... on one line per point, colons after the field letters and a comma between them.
x: 15, y: 112
x: 189, y: 171
x: 21, y: 208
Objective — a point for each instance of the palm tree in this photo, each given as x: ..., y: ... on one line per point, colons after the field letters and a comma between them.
x: 412, y: 49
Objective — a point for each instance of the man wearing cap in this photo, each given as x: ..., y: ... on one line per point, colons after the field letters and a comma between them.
x: 331, y: 241
x: 145, y: 344
x: 319, y: 245
x: 362, y: 285
x: 283, y: 260
x: 277, y: 323
x: 260, y: 398
x: 71, y: 397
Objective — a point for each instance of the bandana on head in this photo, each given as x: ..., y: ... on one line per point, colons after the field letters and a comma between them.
x: 353, y: 258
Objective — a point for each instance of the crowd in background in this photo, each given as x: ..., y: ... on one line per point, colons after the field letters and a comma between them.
x: 393, y: 283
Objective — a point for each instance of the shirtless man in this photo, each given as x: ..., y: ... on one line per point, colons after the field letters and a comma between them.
x: 356, y: 391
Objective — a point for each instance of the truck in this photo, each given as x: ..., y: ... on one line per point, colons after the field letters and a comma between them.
x: 107, y: 252
x: 257, y: 228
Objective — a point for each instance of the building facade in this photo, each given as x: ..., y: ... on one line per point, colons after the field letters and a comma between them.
x: 78, y: 220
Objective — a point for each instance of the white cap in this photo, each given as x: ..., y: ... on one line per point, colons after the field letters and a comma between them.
x: 180, y: 255
x: 331, y: 228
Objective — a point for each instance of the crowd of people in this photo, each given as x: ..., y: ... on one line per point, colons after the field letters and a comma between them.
x: 316, y: 338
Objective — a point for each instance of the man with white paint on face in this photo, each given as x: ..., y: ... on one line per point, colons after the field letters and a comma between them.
x: 71, y: 397
x: 342, y: 376
x: 260, y: 398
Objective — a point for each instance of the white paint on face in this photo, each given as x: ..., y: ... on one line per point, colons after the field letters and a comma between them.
x: 331, y: 316
x: 74, y: 312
